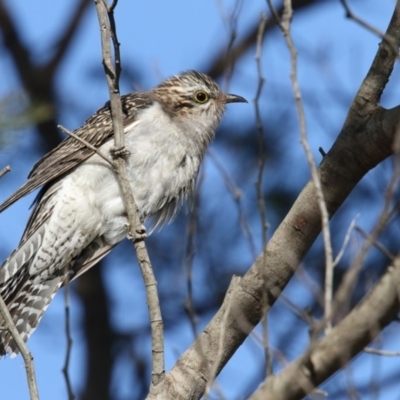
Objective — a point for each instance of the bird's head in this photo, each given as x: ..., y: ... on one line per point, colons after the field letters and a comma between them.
x: 194, y: 99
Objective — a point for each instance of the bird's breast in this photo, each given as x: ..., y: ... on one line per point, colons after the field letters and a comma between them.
x: 162, y: 168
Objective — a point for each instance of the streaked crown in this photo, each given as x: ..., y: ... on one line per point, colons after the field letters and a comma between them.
x: 191, y: 93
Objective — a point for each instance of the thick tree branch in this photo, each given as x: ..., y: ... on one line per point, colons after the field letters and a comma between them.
x: 366, y: 140
x: 336, y: 349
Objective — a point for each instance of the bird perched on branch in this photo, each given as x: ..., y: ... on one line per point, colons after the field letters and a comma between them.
x: 79, y: 215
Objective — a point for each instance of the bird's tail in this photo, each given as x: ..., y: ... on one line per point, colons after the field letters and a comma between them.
x: 26, y: 301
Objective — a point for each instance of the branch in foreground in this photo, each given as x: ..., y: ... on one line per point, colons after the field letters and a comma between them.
x: 108, y: 33
x: 366, y: 140
x: 26, y: 355
x: 88, y: 145
x: 336, y: 349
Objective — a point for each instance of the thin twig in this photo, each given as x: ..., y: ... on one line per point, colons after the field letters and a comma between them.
x: 231, y: 20
x: 369, y: 27
x: 384, y: 353
x: 316, y: 328
x: 349, y: 280
x: 303, y: 314
x: 375, y: 243
x: 65, y: 369
x: 189, y: 256
x: 237, y: 196
x: 345, y: 242
x: 246, y: 42
x: 135, y: 228
x: 26, y: 355
x: 4, y: 171
x: 259, y: 184
x: 285, y: 27
x: 88, y: 145
x: 274, y: 14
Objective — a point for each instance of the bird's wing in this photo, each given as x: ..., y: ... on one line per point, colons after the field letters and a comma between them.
x: 26, y: 293
x: 97, y: 130
x: 90, y: 256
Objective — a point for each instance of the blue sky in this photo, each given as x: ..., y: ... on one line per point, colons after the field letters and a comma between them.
x: 160, y: 39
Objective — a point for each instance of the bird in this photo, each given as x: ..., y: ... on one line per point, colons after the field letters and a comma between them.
x: 78, y: 216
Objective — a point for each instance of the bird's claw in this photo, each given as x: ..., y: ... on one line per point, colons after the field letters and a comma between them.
x: 119, y: 152
x: 140, y: 233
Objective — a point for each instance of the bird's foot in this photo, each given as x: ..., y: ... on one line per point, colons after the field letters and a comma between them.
x: 119, y: 152
x: 140, y: 234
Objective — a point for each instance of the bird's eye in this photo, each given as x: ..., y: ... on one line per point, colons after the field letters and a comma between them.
x: 201, y: 97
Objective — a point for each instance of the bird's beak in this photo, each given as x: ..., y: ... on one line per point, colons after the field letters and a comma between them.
x: 233, y: 98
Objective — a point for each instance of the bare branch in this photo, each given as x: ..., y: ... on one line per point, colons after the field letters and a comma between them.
x: 375, y: 243
x: 65, y: 369
x: 226, y: 60
x: 285, y: 27
x: 26, y: 355
x: 4, y: 171
x: 259, y: 183
x: 136, y: 230
x: 383, y: 353
x: 237, y: 195
x: 275, y: 14
x: 343, y: 293
x: 365, y: 140
x: 340, y: 345
x: 378, y: 75
x: 369, y: 27
x: 345, y: 242
x: 88, y: 145
x: 230, y: 20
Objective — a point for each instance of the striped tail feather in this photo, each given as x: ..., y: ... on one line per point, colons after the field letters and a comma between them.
x: 28, y: 296
x: 26, y: 304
